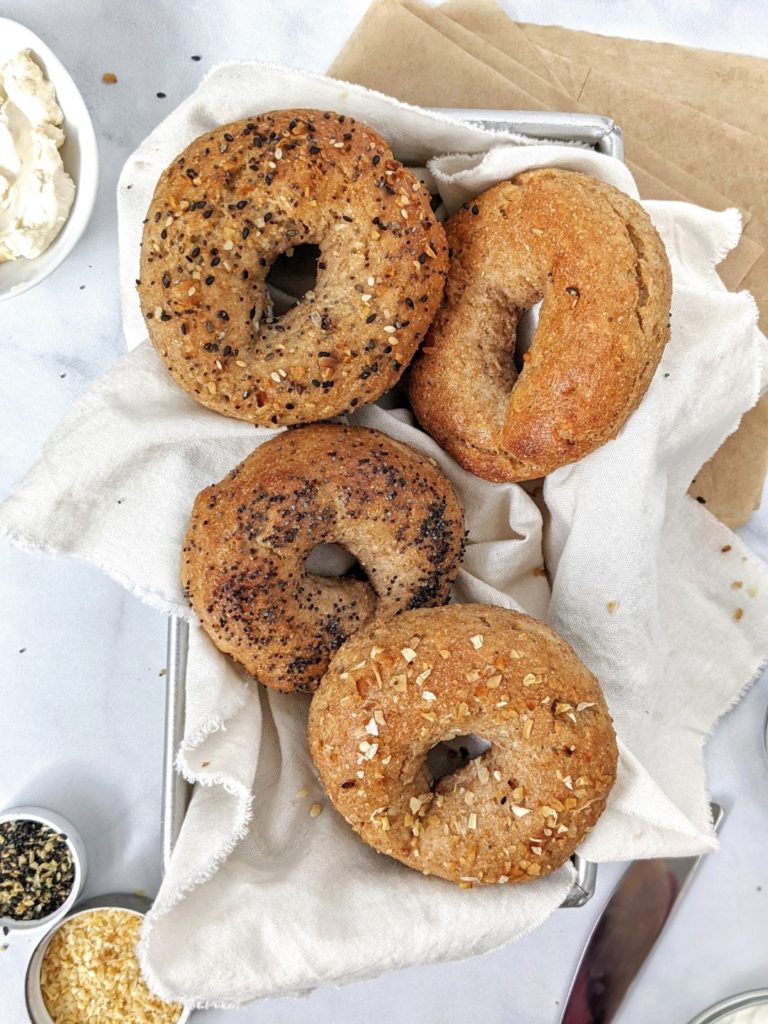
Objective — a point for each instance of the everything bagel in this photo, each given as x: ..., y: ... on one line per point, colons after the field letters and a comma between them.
x: 240, y: 196
x: 399, y: 687
x: 592, y: 255
x: 245, y: 552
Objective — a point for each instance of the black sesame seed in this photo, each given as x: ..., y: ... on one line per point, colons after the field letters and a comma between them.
x: 223, y: 314
x: 422, y: 258
x: 246, y: 232
x: 161, y: 95
x: 166, y: 279
x: 370, y: 319
x: 314, y: 150
x: 243, y: 202
x: 210, y: 279
x: 227, y: 350
x: 475, y: 209
x: 215, y: 261
x: 267, y: 218
x: 268, y: 180
x: 195, y: 251
x: 195, y: 56
x: 410, y: 304
x: 207, y: 214
x: 376, y: 160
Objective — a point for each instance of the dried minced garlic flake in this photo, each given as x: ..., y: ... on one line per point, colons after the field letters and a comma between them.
x: 90, y: 972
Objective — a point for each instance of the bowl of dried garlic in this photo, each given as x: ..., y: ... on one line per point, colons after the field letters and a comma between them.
x: 87, y: 968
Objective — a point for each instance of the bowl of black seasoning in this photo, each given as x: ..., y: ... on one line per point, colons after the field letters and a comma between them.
x: 42, y: 868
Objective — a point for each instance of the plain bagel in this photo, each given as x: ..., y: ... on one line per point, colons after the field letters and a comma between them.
x: 245, y: 552
x: 399, y: 687
x: 592, y: 255
x: 240, y: 196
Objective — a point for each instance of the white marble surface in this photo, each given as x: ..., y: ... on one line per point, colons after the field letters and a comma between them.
x: 81, y: 698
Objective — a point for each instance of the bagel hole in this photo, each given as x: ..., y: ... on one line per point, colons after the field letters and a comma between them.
x: 334, y: 560
x: 527, y: 323
x: 450, y: 756
x: 291, y: 276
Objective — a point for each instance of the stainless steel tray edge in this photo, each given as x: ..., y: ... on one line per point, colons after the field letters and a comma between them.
x: 595, y: 131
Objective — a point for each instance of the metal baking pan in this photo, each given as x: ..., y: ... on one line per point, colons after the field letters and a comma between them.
x: 588, y: 130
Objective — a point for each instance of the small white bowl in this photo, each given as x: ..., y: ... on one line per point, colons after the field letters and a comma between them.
x: 79, y: 154
x: 36, y: 1008
x: 79, y: 863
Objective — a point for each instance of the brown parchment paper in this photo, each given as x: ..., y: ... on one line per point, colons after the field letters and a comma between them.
x: 679, y: 145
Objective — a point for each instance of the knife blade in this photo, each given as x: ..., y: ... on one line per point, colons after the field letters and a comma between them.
x: 625, y: 934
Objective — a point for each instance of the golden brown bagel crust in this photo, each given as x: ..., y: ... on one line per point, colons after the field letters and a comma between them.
x: 399, y: 687
x: 244, y: 193
x: 244, y: 555
x: 591, y: 253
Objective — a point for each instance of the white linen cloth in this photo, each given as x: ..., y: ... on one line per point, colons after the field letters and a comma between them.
x: 263, y: 899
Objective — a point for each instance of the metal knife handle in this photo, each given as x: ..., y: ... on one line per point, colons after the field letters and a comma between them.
x: 625, y: 933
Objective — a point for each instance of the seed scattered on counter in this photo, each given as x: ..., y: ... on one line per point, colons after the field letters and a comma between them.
x: 160, y: 95
x: 90, y: 972
x: 725, y: 548
x: 36, y: 870
x: 612, y: 606
x: 737, y: 585
x: 738, y: 614
x: 109, y: 78
x: 315, y: 809
x: 301, y: 793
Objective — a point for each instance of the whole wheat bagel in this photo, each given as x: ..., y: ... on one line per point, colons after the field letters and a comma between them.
x: 592, y: 255
x: 400, y: 686
x: 228, y: 206
x: 245, y: 552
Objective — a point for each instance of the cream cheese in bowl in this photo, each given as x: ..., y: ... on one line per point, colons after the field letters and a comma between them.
x: 36, y: 193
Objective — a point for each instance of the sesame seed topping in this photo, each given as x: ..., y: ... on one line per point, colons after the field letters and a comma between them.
x: 530, y: 679
x: 428, y: 695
